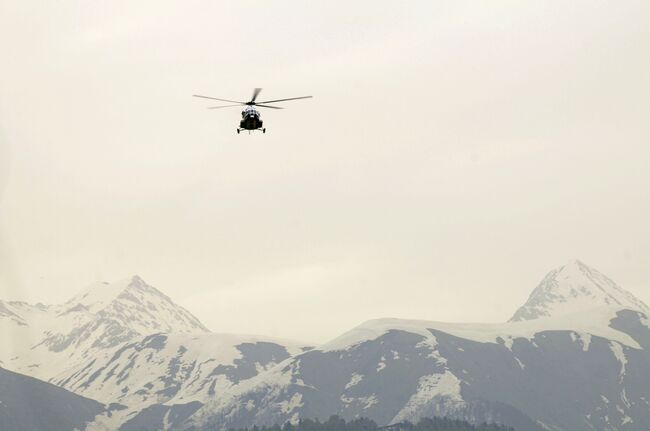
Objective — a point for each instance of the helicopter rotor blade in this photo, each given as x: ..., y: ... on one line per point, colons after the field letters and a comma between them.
x: 268, y: 106
x: 224, y: 106
x: 221, y: 100
x: 284, y: 100
x: 255, y: 93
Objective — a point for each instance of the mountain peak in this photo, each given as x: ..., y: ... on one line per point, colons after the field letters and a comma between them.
x: 575, y: 287
x: 136, y: 280
x: 570, y: 263
x: 136, y: 305
x: 100, y: 294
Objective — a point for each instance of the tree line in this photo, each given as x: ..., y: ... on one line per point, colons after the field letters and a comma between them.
x: 336, y: 423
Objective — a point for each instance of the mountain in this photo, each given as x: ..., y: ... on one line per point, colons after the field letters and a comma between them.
x: 29, y: 404
x: 583, y: 365
x: 128, y: 343
x: 575, y: 356
x: 178, y: 373
x: 47, y: 340
x: 575, y: 287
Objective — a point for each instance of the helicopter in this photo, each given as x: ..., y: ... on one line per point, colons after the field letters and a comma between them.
x: 251, y: 119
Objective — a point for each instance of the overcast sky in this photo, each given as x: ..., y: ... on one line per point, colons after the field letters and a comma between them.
x: 453, y: 153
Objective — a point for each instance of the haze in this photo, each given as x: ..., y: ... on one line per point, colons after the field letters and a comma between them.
x: 454, y: 152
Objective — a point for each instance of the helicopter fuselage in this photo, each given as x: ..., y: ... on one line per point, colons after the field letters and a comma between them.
x: 250, y: 119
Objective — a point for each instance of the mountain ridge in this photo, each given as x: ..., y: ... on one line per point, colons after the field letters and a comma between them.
x: 528, y: 373
x: 128, y: 342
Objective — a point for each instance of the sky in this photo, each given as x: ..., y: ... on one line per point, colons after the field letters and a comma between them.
x: 452, y: 155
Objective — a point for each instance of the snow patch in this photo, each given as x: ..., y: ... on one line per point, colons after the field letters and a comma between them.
x: 583, y: 338
x: 368, y: 401
x: 289, y: 406
x: 646, y: 322
x: 444, y: 388
x: 356, y: 378
x: 364, y: 402
x: 543, y: 425
x: 625, y: 419
x: 619, y: 353
x: 626, y: 402
x: 521, y: 365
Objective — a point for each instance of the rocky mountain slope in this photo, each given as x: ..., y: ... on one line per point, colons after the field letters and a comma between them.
x: 29, y: 404
x: 165, y: 375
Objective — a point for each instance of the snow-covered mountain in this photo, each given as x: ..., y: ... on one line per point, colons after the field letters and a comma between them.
x: 573, y: 369
x: 128, y: 344
x: 575, y: 287
x: 575, y: 357
x: 47, y: 340
x: 29, y: 404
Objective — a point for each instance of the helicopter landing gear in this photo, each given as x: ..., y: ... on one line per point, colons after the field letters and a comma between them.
x: 264, y: 130
x: 238, y: 131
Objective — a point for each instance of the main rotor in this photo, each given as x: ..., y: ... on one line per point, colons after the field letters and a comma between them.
x: 252, y: 102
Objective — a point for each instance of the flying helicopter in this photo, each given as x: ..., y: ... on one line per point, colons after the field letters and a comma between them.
x: 251, y: 119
